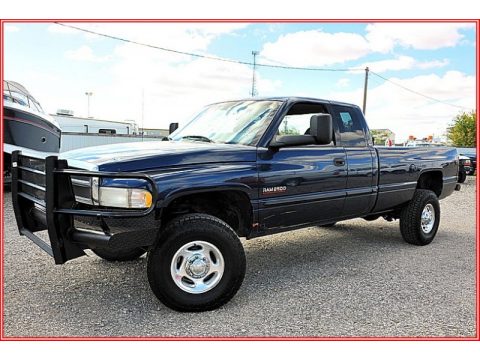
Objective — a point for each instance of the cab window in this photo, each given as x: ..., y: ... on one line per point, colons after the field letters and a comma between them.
x: 350, y: 126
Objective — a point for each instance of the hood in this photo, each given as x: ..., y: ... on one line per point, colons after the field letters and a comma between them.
x: 141, y: 156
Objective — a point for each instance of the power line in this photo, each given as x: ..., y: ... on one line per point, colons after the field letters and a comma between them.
x: 418, y: 93
x: 203, y: 56
x: 214, y: 58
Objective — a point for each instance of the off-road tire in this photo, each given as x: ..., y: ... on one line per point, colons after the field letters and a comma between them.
x: 119, y: 255
x: 177, y: 234
x: 411, y: 216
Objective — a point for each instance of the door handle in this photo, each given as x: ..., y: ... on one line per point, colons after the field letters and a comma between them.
x: 339, y: 161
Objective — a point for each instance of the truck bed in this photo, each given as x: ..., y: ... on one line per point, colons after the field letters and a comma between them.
x: 400, y: 169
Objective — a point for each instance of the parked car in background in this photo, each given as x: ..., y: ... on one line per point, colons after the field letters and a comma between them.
x: 471, y: 153
x: 464, y: 167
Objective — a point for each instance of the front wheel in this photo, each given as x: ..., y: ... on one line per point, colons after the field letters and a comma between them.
x: 462, y: 176
x: 419, y: 219
x: 197, y: 265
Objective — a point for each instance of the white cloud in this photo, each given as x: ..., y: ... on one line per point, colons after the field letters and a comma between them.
x: 174, y: 85
x: 402, y: 63
x: 11, y: 28
x: 85, y: 53
x: 315, y: 48
x: 319, y: 48
x: 433, y: 64
x: 399, y: 63
x: 383, y: 37
x: 406, y: 113
x: 343, y: 83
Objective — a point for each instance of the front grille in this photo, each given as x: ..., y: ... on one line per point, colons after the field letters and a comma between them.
x: 31, y: 179
x: 82, y: 189
x: 32, y: 163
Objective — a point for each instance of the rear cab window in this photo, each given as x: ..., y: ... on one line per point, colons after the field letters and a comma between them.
x: 351, y: 127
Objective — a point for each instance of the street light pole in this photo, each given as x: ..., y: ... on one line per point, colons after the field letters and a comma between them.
x: 89, y: 94
x: 254, y: 80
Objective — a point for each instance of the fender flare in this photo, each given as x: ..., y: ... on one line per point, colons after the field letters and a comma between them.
x: 166, y: 201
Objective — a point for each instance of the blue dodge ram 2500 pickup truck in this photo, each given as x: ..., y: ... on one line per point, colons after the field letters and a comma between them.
x: 242, y: 168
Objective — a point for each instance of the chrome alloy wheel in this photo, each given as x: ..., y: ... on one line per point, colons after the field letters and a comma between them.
x: 428, y: 218
x: 197, y: 267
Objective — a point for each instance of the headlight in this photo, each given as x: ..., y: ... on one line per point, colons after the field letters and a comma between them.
x: 117, y: 196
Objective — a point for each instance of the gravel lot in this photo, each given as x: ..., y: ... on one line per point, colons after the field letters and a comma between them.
x: 356, y: 279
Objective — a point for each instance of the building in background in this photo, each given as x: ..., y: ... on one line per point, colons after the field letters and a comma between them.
x: 81, y: 132
x: 153, y: 132
x: 74, y: 124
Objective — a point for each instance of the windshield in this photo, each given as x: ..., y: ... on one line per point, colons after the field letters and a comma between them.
x: 234, y: 122
x: 16, y: 93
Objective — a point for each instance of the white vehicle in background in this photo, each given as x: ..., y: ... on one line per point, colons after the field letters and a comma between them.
x: 418, y: 143
x: 69, y: 123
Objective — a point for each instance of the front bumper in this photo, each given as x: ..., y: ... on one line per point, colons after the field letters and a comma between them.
x: 44, y: 199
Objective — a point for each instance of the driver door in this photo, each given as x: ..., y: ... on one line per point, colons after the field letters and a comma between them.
x: 301, y: 184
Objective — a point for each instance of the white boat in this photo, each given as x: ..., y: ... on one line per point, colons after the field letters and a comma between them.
x: 26, y: 126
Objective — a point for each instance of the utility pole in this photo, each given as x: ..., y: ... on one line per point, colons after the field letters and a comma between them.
x: 254, y: 80
x: 89, y: 94
x: 365, y: 90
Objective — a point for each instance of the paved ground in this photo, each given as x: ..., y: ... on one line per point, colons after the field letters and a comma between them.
x: 356, y: 279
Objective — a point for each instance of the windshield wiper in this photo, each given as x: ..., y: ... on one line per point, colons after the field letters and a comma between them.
x: 197, y: 138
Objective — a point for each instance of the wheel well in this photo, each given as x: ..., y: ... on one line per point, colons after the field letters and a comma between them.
x: 432, y: 180
x: 231, y: 206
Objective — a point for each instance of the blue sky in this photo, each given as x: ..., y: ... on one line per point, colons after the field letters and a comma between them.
x: 58, y: 65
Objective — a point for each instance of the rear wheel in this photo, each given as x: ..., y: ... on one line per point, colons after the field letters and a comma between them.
x: 119, y: 255
x: 198, y: 264
x: 462, y: 176
x: 419, y: 219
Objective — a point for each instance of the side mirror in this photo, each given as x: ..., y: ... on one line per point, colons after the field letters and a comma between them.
x: 172, y: 127
x: 321, y: 128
